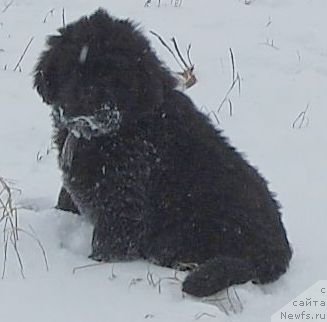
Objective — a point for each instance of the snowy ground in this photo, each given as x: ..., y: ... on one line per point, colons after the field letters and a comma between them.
x: 280, y: 52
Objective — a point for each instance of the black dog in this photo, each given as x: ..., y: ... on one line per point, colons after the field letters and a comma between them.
x: 157, y: 179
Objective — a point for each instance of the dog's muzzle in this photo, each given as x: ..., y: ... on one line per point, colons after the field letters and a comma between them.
x: 105, y: 121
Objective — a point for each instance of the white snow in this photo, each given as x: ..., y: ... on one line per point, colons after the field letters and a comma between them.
x: 280, y: 52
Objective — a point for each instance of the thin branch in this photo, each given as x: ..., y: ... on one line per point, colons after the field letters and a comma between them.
x: 269, y: 22
x: 50, y: 12
x: 233, y: 62
x: 301, y: 120
x: 201, y: 315
x: 270, y: 43
x: 188, y: 55
x: 63, y: 18
x: 236, y: 80
x: 226, y: 98
x: 189, y: 78
x: 167, y: 47
x: 5, y: 256
x: 15, y: 245
x: 179, y: 53
x: 7, y: 6
x: 24, y: 53
x: 75, y: 269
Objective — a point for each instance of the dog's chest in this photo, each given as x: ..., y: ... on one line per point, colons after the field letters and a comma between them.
x: 108, y: 172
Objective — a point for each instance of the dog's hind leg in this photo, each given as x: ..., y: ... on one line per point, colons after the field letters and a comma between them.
x: 217, y: 274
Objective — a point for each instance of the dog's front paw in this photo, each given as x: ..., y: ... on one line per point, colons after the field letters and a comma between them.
x: 96, y: 256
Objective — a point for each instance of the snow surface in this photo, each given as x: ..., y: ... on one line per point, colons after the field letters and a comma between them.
x: 280, y: 52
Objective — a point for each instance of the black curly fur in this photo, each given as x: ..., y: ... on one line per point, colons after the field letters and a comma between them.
x: 158, y: 180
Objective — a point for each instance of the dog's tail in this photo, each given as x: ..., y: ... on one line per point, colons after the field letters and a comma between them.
x: 217, y: 274
x: 221, y: 272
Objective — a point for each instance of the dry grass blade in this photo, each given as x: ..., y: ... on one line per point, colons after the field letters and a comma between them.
x: 302, y: 119
x: 236, y: 81
x: 187, y: 73
x: 7, y: 6
x: 63, y: 18
x: 75, y: 269
x: 176, y: 3
x: 188, y: 51
x: 10, y: 226
x: 203, y: 314
x: 23, y: 54
x: 179, y: 53
x: 233, y: 62
x: 11, y: 231
x: 49, y: 13
x: 167, y: 47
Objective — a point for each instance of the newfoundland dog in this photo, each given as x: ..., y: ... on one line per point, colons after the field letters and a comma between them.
x: 158, y: 181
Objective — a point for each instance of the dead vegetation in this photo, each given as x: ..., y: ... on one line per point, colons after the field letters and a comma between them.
x: 10, y: 228
x: 302, y: 119
x: 187, y: 68
x: 175, y: 3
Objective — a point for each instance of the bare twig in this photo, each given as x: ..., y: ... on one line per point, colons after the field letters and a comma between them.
x: 167, y: 47
x: 9, y: 219
x: 158, y: 282
x: 148, y: 316
x: 217, y: 301
x: 112, y: 274
x: 82, y: 267
x: 203, y: 314
x: 135, y: 281
x: 236, y: 81
x: 63, y: 18
x: 176, y: 3
x: 7, y: 6
x: 148, y: 3
x: 238, y: 299
x: 302, y: 119
x: 187, y: 73
x: 40, y: 155
x: 226, y: 97
x: 215, y: 116
x: 10, y: 226
x: 179, y: 53
x: 270, y: 43
x: 188, y: 55
x: 23, y: 54
x: 50, y: 12
x: 149, y: 277
x: 269, y: 22
x: 298, y: 54
x: 233, y: 62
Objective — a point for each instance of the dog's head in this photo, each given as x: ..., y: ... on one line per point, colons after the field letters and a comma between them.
x: 97, y: 62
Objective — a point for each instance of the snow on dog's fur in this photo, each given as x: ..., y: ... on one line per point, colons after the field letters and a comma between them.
x: 157, y: 179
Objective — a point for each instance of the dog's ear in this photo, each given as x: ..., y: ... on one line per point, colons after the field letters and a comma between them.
x: 44, y: 73
x: 43, y: 87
